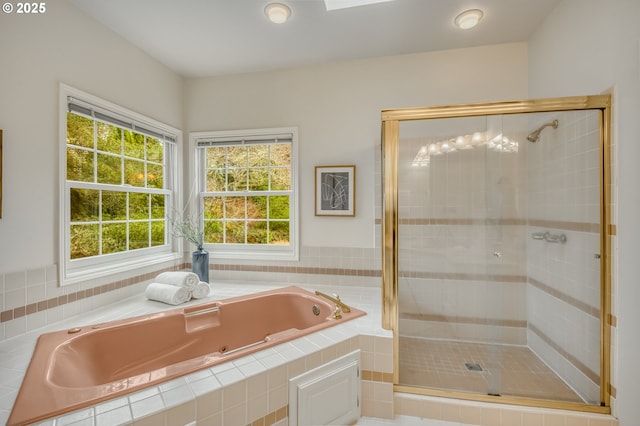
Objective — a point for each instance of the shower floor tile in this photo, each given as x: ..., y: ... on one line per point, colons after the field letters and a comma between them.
x: 515, y: 370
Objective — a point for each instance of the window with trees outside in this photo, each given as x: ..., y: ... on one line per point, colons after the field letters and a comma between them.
x: 118, y: 188
x: 247, y: 192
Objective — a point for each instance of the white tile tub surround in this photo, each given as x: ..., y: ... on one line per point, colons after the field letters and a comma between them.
x: 38, y: 287
x: 236, y: 392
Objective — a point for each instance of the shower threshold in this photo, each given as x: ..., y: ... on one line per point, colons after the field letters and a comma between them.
x: 450, y: 365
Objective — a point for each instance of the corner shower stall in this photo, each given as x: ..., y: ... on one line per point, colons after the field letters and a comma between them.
x: 495, y: 250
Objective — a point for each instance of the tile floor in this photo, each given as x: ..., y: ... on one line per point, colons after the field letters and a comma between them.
x: 506, y: 370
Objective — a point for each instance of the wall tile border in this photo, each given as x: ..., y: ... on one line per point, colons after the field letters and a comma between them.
x: 43, y: 305
x: 592, y: 375
x: 590, y: 310
x: 542, y: 223
x: 297, y: 270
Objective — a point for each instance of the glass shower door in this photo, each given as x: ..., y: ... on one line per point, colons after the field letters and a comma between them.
x: 451, y: 201
x: 499, y: 255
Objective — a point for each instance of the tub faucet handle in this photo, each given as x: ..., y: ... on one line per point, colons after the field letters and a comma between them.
x: 337, y: 312
x: 335, y: 299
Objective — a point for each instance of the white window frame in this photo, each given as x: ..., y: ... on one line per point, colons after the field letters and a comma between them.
x: 198, y: 183
x: 74, y: 271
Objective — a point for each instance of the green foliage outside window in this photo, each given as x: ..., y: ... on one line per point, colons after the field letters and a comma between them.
x: 251, y: 200
x: 104, y: 221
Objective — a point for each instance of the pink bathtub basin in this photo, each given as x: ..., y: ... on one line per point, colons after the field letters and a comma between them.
x: 76, y: 368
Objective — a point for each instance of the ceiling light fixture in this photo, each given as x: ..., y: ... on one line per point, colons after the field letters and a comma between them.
x: 277, y: 13
x: 468, y: 19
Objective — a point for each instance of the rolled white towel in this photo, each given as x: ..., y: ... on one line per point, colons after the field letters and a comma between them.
x: 185, y: 279
x: 201, y: 290
x: 167, y: 293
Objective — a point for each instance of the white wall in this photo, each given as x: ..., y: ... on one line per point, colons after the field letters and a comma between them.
x: 38, y: 52
x: 589, y: 47
x: 337, y: 109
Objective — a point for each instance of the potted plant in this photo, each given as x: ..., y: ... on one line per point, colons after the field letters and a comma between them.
x: 191, y: 230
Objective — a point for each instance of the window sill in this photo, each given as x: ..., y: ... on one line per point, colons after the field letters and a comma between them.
x: 255, y: 254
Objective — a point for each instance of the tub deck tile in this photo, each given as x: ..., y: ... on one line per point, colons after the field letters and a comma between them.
x: 252, y: 368
x: 117, y: 416
x: 229, y: 377
x: 171, y: 384
x: 198, y: 375
x: 148, y: 404
x: 176, y: 396
x: 273, y: 360
x: 289, y: 351
x: 144, y: 394
x: 205, y: 385
x: 77, y: 417
x: 112, y: 405
x: 144, y: 407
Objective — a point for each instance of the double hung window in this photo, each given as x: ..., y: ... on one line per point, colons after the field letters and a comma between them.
x: 247, y: 192
x: 119, y: 180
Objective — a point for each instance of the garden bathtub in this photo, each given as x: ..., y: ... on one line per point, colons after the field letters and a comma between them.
x: 82, y: 366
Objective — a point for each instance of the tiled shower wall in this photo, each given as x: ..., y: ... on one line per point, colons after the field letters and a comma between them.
x: 451, y: 284
x: 563, y: 291
x: 469, y: 267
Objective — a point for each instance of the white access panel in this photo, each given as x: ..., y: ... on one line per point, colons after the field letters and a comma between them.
x: 327, y: 395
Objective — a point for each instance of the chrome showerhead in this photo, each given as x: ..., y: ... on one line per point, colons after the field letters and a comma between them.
x: 535, y: 135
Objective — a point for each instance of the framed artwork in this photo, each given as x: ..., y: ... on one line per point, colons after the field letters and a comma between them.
x: 335, y: 190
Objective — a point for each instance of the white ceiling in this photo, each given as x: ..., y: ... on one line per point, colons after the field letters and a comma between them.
x: 198, y: 38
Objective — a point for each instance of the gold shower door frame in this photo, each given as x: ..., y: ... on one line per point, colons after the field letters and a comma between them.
x: 390, y: 146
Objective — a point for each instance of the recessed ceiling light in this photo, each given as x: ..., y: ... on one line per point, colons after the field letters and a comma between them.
x: 468, y: 18
x: 277, y: 13
x: 343, y: 4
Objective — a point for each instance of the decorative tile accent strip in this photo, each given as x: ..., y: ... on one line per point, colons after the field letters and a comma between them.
x: 53, y: 302
x: 376, y: 376
x: 271, y: 418
x: 567, y: 226
x: 461, y: 221
x: 21, y: 311
x: 457, y: 221
x: 613, y: 391
x: 298, y: 270
x: 594, y: 312
x: 459, y: 276
x: 593, y: 376
x: 464, y: 320
x: 555, y: 224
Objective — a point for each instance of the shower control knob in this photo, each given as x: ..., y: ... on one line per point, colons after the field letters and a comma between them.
x: 497, y: 254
